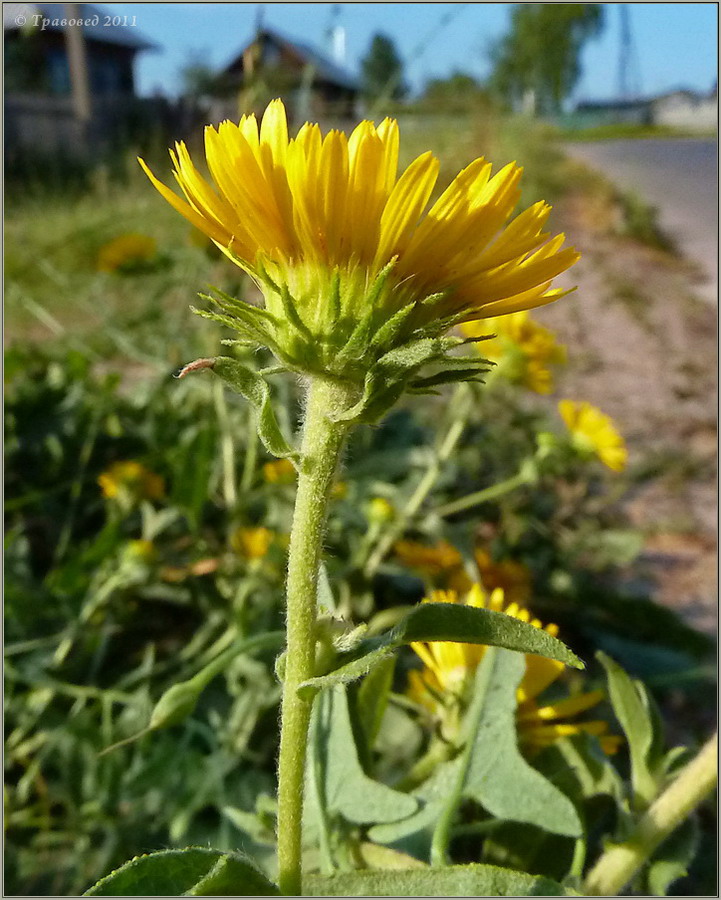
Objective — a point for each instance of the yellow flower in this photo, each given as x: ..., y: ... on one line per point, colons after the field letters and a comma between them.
x: 127, y: 252
x: 252, y: 543
x: 380, y: 511
x: 440, y: 562
x: 131, y: 481
x: 350, y: 266
x: 443, y: 685
x: 280, y: 471
x: 139, y: 551
x: 513, y: 577
x: 523, y: 349
x: 594, y: 432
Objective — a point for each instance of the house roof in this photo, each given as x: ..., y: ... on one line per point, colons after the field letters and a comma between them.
x: 120, y: 35
x: 326, y: 69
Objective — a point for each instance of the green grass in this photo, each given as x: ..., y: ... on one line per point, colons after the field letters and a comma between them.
x: 625, y: 131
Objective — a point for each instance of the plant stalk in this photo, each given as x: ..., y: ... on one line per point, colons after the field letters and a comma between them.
x: 489, y: 493
x: 620, y: 863
x: 461, y: 403
x: 321, y: 448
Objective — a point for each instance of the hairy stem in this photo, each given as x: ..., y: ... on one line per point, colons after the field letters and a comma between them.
x: 320, y: 451
x: 620, y: 863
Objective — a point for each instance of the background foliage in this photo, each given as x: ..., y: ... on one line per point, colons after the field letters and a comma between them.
x: 113, y: 600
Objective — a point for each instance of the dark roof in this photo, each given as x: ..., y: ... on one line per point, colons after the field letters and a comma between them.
x: 589, y: 105
x: 326, y: 69
x: 120, y: 35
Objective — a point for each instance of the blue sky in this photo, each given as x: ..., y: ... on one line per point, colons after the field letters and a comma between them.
x: 675, y: 43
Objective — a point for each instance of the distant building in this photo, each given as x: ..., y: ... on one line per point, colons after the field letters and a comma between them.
x: 41, y: 118
x: 683, y: 109
x: 309, y: 82
x: 686, y: 109
x: 592, y: 113
x: 36, y: 60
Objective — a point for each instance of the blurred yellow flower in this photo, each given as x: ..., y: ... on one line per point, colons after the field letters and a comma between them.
x: 280, y: 471
x: 334, y: 237
x: 252, y: 543
x: 379, y: 510
x: 139, y: 551
x: 126, y: 252
x: 523, y: 349
x: 442, y: 686
x: 513, y: 577
x: 131, y: 481
x: 594, y: 432
x: 440, y: 562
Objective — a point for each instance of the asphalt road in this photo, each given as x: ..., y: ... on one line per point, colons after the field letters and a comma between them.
x: 679, y: 176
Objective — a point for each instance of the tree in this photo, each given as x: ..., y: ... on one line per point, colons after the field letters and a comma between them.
x: 456, y: 93
x: 537, y: 64
x: 382, y: 71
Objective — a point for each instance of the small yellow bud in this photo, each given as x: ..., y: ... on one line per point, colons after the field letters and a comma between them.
x: 380, y: 511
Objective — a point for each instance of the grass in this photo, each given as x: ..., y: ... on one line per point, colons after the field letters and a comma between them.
x: 626, y: 131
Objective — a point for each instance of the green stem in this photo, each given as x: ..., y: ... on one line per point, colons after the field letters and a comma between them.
x: 489, y: 493
x: 461, y: 402
x: 251, y: 454
x: 442, y: 833
x: 620, y: 863
x: 227, y: 448
x: 320, y: 451
x: 438, y: 753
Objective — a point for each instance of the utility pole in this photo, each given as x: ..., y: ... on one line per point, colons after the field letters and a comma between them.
x: 78, y: 64
x: 629, y: 81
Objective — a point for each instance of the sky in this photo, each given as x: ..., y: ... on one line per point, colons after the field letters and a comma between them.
x: 675, y: 44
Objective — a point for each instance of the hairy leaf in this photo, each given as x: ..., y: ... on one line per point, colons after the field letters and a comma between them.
x: 631, y: 706
x: 347, y: 788
x: 498, y: 777
x: 446, y: 881
x: 447, y: 622
x: 256, y: 391
x: 192, y: 872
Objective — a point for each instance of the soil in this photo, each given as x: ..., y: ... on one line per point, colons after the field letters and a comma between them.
x: 642, y: 347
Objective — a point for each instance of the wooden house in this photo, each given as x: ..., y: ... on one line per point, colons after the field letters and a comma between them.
x: 42, y: 114
x: 310, y: 83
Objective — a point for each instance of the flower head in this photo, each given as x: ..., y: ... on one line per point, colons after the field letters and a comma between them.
x: 442, y: 686
x: 352, y: 267
x: 593, y: 432
x: 523, y: 349
x: 252, y: 543
x: 279, y: 471
x: 512, y: 576
x: 129, y: 481
x: 126, y: 253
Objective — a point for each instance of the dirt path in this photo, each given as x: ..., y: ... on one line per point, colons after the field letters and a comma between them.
x: 642, y: 346
x: 679, y: 177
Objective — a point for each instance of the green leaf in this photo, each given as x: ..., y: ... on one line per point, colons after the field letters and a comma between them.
x: 192, y: 872
x: 446, y: 881
x: 256, y: 391
x: 447, y: 622
x: 346, y: 787
x: 498, y: 777
x: 372, y: 699
x: 631, y: 706
x: 672, y: 859
x: 416, y: 831
x: 579, y: 767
